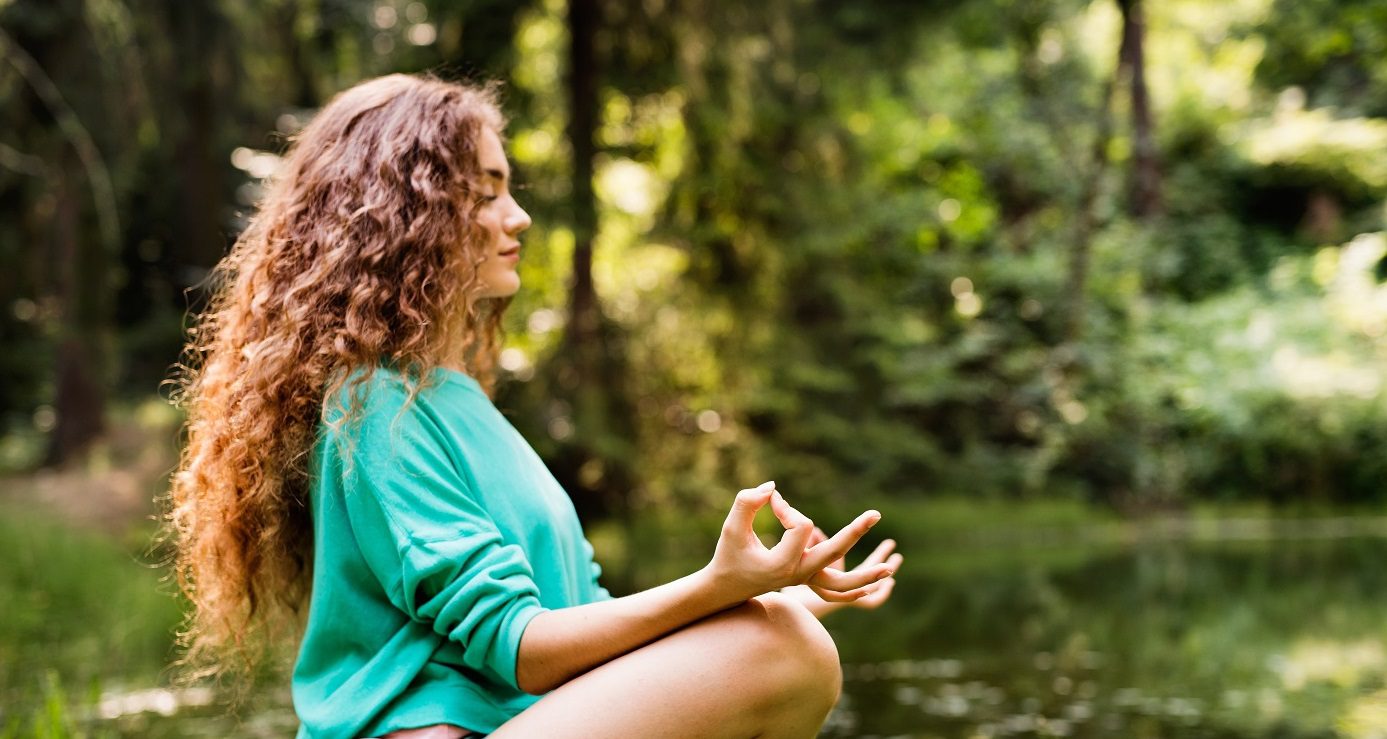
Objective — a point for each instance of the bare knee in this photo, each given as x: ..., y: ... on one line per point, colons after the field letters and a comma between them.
x: 793, y: 653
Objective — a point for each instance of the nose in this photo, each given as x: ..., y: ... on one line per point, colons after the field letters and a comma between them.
x: 517, y: 220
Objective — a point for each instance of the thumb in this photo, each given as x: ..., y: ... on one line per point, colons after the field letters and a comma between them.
x: 745, y: 506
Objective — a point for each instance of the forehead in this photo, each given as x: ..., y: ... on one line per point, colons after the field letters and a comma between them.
x: 491, y: 156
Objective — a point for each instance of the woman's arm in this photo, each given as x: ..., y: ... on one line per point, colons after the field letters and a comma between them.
x: 562, y: 644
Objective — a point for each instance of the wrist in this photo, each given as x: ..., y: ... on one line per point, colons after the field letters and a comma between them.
x: 716, y: 590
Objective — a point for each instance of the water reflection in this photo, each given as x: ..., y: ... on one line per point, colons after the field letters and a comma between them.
x: 1168, y: 638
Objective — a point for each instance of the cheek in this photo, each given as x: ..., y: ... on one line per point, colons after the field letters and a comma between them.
x: 490, y: 225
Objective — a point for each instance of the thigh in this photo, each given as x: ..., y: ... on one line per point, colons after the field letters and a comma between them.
x: 726, y: 676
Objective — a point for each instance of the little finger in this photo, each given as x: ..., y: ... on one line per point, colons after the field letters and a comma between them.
x: 834, y: 596
x: 879, y: 594
x: 844, y: 581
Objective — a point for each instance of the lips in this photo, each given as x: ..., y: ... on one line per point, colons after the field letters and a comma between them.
x: 513, y: 251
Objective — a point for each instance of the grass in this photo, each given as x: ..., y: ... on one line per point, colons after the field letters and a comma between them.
x: 81, y: 613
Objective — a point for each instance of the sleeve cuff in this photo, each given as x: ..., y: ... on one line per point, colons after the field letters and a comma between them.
x: 509, y: 659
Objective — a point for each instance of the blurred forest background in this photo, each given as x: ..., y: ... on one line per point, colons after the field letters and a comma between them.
x: 1117, y: 255
x: 1000, y: 248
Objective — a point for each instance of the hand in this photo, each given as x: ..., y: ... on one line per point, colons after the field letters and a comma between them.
x: 878, y: 592
x: 743, y: 568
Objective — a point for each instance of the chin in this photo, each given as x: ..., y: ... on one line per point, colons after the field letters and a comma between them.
x: 503, y: 288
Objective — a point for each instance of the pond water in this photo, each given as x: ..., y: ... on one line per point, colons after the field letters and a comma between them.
x: 1274, y: 634
x: 1243, y: 632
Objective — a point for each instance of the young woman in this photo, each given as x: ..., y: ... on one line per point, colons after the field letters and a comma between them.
x: 342, y: 450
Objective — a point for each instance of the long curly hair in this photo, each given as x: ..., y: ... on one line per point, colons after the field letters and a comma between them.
x: 364, y: 252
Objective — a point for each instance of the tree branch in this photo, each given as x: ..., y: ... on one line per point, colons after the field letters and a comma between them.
x: 17, y: 161
x: 98, y: 175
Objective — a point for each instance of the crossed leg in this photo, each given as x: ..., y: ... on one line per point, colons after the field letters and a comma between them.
x: 764, y: 669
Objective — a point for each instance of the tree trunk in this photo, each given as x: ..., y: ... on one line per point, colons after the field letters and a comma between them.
x: 79, y: 271
x: 297, y: 56
x: 582, y: 123
x: 198, y: 236
x: 1146, y: 173
x: 81, y: 249
x: 1086, y: 220
x: 594, y: 464
x: 1086, y: 215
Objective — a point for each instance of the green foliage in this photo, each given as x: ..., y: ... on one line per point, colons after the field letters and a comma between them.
x: 1335, y: 49
x: 880, y: 257
x: 868, y: 249
x: 82, y: 615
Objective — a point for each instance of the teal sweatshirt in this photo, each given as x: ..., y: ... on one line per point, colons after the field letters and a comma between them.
x: 438, y: 535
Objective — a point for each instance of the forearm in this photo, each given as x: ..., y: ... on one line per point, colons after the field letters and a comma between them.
x: 561, y: 644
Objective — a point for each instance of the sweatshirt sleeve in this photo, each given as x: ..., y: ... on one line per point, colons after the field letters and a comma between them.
x: 434, y: 549
x: 596, y: 570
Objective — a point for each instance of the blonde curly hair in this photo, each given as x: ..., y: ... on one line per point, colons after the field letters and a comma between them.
x: 364, y: 252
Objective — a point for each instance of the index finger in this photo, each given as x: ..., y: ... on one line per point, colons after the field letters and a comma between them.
x: 784, y: 512
x: 836, y: 547
x: 745, y: 506
x: 798, y: 529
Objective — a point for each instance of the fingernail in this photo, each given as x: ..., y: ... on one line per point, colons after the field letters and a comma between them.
x: 766, y: 484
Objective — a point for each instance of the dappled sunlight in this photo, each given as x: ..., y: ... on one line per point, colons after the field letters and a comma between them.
x: 1366, y: 717
x: 1345, y: 664
x: 1357, y: 298
x: 538, y: 42
x: 630, y: 186
x: 1324, y: 375
x: 1356, y: 302
x: 163, y: 701
x: 628, y: 276
x: 1320, y: 140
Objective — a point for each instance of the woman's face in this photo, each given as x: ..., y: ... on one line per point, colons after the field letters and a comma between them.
x: 501, y: 219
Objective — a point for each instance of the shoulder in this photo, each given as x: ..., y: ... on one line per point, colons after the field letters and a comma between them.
x: 377, y: 389
x: 373, y: 401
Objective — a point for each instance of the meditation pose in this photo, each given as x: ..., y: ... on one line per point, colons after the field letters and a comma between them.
x: 348, y: 483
